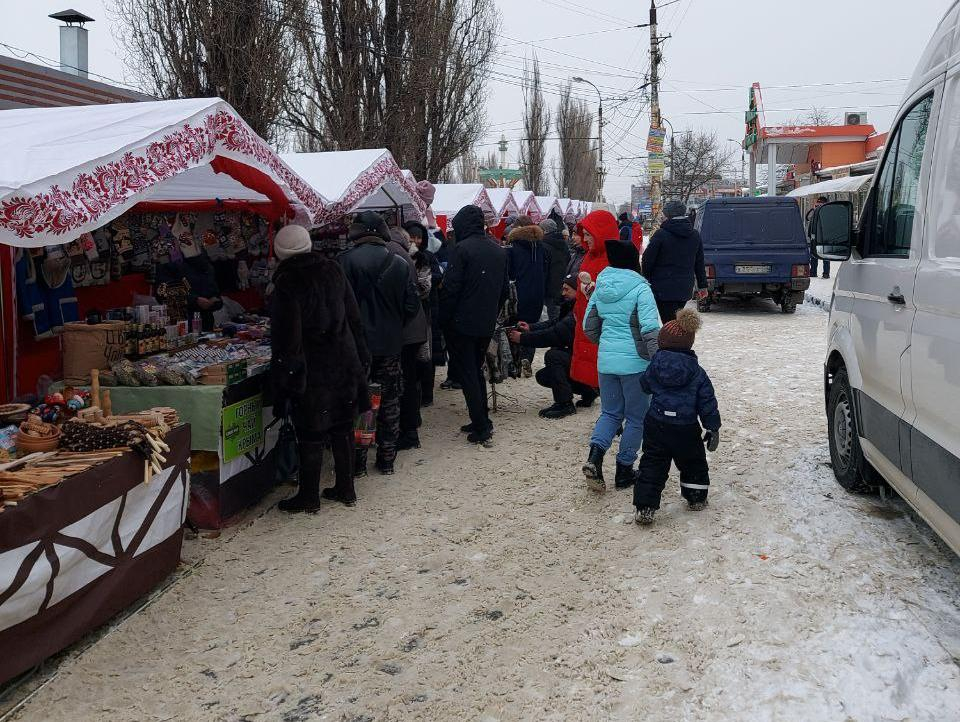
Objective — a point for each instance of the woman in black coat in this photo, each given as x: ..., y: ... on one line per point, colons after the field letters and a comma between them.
x: 425, y: 260
x: 318, y: 364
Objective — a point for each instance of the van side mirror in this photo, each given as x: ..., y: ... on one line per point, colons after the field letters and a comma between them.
x: 833, y: 231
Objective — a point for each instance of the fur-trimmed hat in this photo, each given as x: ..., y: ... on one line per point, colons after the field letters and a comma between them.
x: 526, y: 233
x: 680, y: 334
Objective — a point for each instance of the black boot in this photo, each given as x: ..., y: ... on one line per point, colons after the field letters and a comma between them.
x: 593, y: 468
x: 406, y: 443
x: 342, y: 446
x: 625, y: 476
x: 559, y: 411
x: 360, y: 463
x: 308, y: 495
x: 586, y: 400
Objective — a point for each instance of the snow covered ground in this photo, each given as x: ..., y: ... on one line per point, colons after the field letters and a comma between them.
x: 490, y: 584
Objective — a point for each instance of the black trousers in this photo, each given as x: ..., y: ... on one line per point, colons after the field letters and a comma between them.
x: 663, y: 444
x: 386, y: 371
x: 466, y: 365
x: 555, y: 375
x: 311, y: 446
x: 668, y: 309
x: 410, y: 399
x: 427, y: 373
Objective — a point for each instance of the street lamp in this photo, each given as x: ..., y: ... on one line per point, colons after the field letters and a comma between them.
x: 601, y: 171
x: 743, y: 163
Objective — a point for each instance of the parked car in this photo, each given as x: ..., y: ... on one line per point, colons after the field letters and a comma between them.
x: 892, y: 372
x: 754, y: 248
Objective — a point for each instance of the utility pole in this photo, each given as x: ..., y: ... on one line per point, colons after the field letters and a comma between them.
x: 656, y: 194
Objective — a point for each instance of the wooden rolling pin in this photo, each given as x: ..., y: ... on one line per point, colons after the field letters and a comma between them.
x: 107, y: 403
x: 95, y: 388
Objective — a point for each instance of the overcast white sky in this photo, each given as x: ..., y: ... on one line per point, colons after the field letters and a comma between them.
x: 839, y: 54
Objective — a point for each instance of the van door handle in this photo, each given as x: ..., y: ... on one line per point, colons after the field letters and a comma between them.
x: 896, y: 297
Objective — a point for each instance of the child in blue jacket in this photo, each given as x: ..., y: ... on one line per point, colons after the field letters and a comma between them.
x: 682, y: 398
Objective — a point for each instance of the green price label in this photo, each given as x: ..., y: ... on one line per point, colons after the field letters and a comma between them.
x: 242, y: 427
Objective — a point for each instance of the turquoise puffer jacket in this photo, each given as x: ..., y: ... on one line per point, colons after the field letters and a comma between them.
x: 622, y: 317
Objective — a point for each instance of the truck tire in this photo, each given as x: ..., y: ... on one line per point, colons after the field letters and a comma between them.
x: 788, y: 306
x: 849, y: 466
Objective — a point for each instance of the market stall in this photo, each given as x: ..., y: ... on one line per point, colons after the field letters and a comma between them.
x: 451, y: 197
x: 850, y: 188
x: 356, y: 180
x: 542, y: 206
x: 525, y: 200
x: 110, y: 215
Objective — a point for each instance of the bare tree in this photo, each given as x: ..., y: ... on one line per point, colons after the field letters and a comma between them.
x: 536, y: 128
x: 576, y: 175
x: 467, y: 170
x: 695, y: 158
x: 816, y: 117
x: 241, y: 51
x: 409, y: 75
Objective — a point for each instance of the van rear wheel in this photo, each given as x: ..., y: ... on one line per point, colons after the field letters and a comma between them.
x: 849, y: 466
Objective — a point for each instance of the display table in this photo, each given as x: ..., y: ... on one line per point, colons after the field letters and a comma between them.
x: 229, y: 423
x: 74, y: 554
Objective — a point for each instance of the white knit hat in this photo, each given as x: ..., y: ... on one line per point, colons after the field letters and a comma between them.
x: 291, y: 240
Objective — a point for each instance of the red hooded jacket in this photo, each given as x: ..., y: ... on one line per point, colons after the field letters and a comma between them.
x: 602, y: 225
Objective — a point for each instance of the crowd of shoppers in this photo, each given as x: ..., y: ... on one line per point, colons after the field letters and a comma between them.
x: 403, y: 300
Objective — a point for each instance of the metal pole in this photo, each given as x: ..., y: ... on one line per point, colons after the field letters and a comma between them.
x: 656, y: 198
x: 601, y: 171
x: 772, y: 169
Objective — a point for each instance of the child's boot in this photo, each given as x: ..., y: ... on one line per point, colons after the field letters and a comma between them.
x: 697, y: 505
x: 625, y: 476
x: 593, y: 468
x: 645, y: 515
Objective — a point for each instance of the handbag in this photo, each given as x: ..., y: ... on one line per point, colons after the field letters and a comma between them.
x: 287, y: 450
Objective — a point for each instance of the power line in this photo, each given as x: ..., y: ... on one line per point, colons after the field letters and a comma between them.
x: 584, y: 10
x: 56, y: 65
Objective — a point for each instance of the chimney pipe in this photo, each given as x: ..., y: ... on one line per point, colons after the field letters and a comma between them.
x: 73, y: 42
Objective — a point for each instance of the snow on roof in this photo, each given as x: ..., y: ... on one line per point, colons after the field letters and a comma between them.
x: 503, y: 200
x: 451, y: 197
x: 543, y: 205
x: 523, y: 199
x: 850, y: 184
x: 357, y: 179
x: 71, y: 170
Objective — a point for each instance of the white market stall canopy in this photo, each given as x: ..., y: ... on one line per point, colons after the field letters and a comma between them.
x: 544, y: 205
x: 850, y: 184
x: 566, y: 208
x: 357, y: 180
x: 451, y: 197
x: 524, y: 199
x: 70, y: 170
x: 504, y: 204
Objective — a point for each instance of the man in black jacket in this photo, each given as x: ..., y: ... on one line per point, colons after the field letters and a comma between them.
x: 673, y: 262
x: 557, y: 337
x: 559, y: 260
x: 388, y: 300
x: 474, y: 288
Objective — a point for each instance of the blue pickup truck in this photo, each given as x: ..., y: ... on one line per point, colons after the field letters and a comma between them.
x: 754, y: 248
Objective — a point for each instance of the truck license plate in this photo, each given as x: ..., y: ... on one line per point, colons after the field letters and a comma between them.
x: 752, y: 269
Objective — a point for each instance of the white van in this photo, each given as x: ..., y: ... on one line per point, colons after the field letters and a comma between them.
x: 892, y: 371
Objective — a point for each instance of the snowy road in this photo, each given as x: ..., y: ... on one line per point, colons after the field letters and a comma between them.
x: 489, y: 584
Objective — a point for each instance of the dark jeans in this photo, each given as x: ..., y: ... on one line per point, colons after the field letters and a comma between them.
x: 311, y: 461
x: 466, y: 364
x: 410, y: 398
x: 528, y: 353
x: 668, y: 309
x: 663, y: 444
x: 555, y: 375
x: 813, y: 267
x: 386, y: 371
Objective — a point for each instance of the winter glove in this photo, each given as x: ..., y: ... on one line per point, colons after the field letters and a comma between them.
x: 712, y: 439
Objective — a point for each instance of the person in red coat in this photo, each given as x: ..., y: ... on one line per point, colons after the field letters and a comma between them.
x: 595, y: 230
